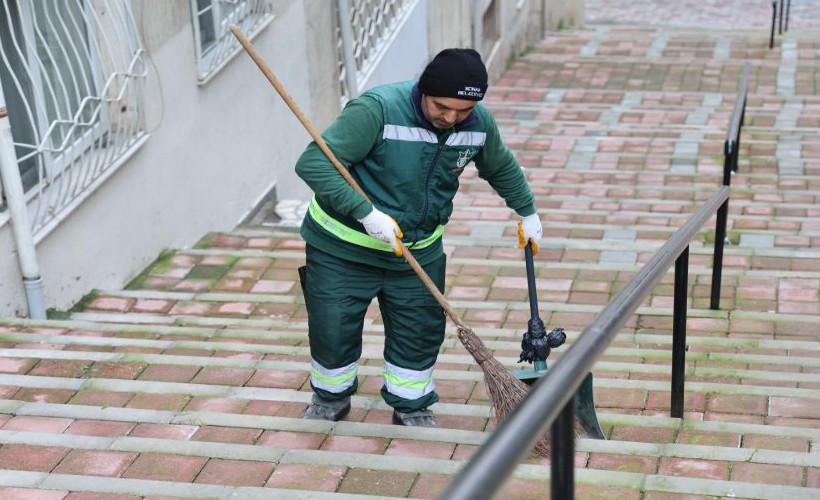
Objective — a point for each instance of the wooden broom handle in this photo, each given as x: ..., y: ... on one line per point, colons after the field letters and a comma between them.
x: 317, y: 137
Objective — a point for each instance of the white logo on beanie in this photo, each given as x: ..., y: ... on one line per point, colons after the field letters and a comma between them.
x: 470, y: 92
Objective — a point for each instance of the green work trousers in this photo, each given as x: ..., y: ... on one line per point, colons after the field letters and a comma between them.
x: 338, y: 293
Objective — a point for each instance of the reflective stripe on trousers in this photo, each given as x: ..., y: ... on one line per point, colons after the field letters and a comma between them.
x: 333, y: 380
x: 406, y: 383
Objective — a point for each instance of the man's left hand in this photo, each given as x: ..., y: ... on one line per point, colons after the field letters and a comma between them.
x: 530, y: 229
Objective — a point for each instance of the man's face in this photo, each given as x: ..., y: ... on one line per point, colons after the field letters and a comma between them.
x: 444, y: 112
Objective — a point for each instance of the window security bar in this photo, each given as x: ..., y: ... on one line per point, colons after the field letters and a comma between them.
x: 72, y: 75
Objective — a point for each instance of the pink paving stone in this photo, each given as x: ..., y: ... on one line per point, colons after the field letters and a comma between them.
x: 467, y: 292
x: 729, y: 403
x: 95, y: 463
x: 767, y: 473
x: 102, y: 398
x: 272, y: 286
x: 152, y: 306
x: 220, y: 405
x: 420, y: 449
x: 377, y: 482
x: 161, y: 467
x: 99, y: 428
x: 278, y: 379
x: 16, y: 365
x: 29, y: 494
x: 702, y: 469
x: 190, y: 309
x: 235, y: 472
x: 35, y: 395
x: 304, y: 476
x: 231, y: 435
x: 725, y: 439
x: 30, y: 458
x: 292, y: 440
x: 623, y: 463
x: 223, y: 376
x: 37, y: 424
x: 169, y: 373
x: 116, y: 304
x: 356, y: 444
x: 235, y: 308
x: 642, y: 434
x: 194, y: 285
x: 793, y: 407
x: 82, y: 495
x: 782, y: 443
x: 164, y: 431
x: 168, y: 402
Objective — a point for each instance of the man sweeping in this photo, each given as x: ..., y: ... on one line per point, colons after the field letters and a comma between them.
x: 406, y: 145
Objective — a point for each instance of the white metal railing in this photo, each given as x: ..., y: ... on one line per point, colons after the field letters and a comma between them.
x: 215, y: 45
x: 364, y: 31
x: 72, y: 76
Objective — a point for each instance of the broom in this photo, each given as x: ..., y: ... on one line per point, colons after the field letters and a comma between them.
x: 505, y: 390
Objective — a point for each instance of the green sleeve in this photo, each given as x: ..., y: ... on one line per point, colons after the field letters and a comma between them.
x: 350, y: 137
x: 497, y: 165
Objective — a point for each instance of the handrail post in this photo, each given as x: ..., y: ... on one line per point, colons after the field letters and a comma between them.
x: 788, y: 10
x: 679, y: 332
x: 774, y: 21
x: 780, y: 22
x: 562, y: 454
x: 717, y: 259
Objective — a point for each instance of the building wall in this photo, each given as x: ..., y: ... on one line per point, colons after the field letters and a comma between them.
x: 215, y: 150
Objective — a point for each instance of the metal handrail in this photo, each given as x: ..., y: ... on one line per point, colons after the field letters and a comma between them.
x: 516, y: 436
x: 779, y: 24
x: 731, y: 152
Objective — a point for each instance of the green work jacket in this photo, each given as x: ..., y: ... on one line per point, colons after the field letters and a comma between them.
x: 409, y: 170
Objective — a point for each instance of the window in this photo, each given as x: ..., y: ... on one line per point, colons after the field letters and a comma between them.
x: 69, y: 73
x: 215, y: 45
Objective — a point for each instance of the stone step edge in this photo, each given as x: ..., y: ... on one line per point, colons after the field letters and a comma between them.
x: 696, y: 247
x: 546, y: 308
x: 397, y: 463
x: 44, y: 481
x: 371, y: 335
x: 136, y: 415
x: 451, y: 342
x: 446, y: 374
x: 212, y: 390
x: 253, y: 452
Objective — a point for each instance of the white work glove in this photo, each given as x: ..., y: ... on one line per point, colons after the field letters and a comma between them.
x: 530, y: 229
x: 382, y: 227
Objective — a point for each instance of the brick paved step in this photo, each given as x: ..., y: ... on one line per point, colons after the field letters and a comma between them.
x: 262, y: 365
x: 485, y: 245
x: 225, y: 436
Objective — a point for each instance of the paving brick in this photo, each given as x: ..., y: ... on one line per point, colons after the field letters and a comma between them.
x: 307, y: 477
x: 422, y: 449
x: 161, y: 467
x: 99, y: 428
x: 292, y: 440
x: 226, y: 435
x: 278, y: 379
x: 793, y: 407
x: 375, y: 482
x: 223, y: 376
x: 704, y: 469
x: 82, y: 495
x: 623, y: 463
x: 220, y: 405
x: 38, y: 395
x: 30, y: 494
x: 169, y: 373
x: 235, y: 472
x: 95, y: 463
x: 37, y: 424
x: 164, y: 431
x: 168, y: 402
x: 102, y: 398
x: 30, y: 458
x: 767, y: 473
x: 356, y: 444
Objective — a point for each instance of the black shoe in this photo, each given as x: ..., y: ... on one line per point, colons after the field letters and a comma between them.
x: 322, y: 409
x: 418, y: 418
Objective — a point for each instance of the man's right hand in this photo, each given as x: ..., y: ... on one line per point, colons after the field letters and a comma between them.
x: 382, y: 227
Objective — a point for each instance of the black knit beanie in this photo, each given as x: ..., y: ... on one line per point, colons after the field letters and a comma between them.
x: 457, y: 73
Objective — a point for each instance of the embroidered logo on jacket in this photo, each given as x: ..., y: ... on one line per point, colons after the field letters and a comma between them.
x: 464, y: 158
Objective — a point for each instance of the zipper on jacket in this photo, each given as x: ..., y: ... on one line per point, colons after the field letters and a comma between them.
x: 442, y: 141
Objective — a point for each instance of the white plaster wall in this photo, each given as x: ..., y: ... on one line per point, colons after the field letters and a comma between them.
x: 408, y: 54
x: 213, y: 151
